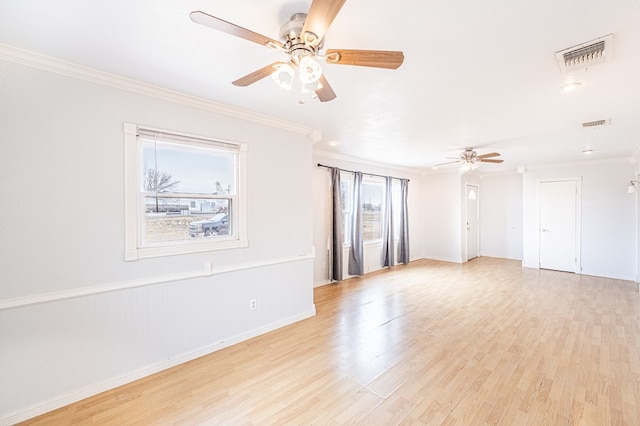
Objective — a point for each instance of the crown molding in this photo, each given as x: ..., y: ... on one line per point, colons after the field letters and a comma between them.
x: 356, y: 160
x: 584, y: 163
x: 47, y: 63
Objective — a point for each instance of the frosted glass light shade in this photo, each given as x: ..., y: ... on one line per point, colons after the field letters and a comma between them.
x: 283, y: 76
x: 310, y: 70
x: 467, y: 167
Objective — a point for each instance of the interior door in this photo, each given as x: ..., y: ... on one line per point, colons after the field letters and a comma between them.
x: 558, y: 218
x: 473, y: 229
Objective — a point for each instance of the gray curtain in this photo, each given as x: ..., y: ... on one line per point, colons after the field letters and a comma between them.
x: 403, y: 248
x: 388, y: 240
x: 356, y: 265
x: 335, y: 270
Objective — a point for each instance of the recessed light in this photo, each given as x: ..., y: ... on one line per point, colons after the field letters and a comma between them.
x: 570, y: 87
x: 587, y: 151
x: 333, y: 143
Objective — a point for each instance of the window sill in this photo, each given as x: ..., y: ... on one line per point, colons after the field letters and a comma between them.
x: 366, y: 243
x: 150, y: 252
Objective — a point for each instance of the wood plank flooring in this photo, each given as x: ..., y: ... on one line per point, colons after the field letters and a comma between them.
x: 486, y: 342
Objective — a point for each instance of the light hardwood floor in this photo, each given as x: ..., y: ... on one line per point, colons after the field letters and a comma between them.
x: 486, y: 342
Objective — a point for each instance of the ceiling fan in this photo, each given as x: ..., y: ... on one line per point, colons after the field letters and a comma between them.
x: 471, y: 160
x: 302, y: 39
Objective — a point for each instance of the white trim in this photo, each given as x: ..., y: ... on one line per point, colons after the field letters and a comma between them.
x: 577, y: 268
x: 134, y: 247
x: 467, y: 185
x: 58, y: 66
x: 206, y: 271
x: 441, y: 259
x: 323, y: 283
x: 131, y: 236
x: 151, y: 369
x: 584, y: 163
x: 340, y: 157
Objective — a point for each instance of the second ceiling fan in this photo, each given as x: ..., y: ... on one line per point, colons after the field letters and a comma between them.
x: 302, y: 39
x: 471, y: 160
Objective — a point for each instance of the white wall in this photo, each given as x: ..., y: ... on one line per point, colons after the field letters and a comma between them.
x: 501, y: 216
x: 500, y: 211
x: 62, y: 240
x: 442, y: 196
x: 322, y: 210
x: 76, y: 319
x: 608, y: 217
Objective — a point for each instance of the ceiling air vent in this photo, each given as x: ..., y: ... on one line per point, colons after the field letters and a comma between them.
x: 596, y: 123
x: 585, y: 55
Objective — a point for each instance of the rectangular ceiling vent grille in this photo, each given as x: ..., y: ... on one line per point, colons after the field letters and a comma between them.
x: 596, y: 123
x: 584, y: 55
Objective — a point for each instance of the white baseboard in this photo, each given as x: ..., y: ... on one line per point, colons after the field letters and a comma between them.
x: 443, y: 259
x: 322, y: 283
x: 97, y: 388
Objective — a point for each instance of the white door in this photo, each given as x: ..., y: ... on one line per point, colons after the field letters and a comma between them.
x: 558, y: 218
x: 473, y: 229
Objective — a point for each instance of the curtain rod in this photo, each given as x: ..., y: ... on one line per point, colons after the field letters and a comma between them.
x: 368, y: 174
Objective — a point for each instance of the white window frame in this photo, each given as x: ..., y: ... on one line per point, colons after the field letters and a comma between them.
x: 376, y: 181
x: 347, y: 179
x: 347, y: 207
x: 396, y: 200
x: 134, y: 208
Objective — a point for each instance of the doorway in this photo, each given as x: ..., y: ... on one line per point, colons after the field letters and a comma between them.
x: 559, y: 230
x: 472, y: 194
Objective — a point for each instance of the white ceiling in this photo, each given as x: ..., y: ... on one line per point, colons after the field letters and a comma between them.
x: 476, y: 73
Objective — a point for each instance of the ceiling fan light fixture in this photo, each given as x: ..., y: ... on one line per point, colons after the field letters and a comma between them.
x: 570, y: 87
x: 309, y: 70
x: 283, y: 76
x: 468, y: 166
x: 310, y: 87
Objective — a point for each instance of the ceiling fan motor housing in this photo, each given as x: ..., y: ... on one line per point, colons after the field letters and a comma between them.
x: 297, y: 44
x: 469, y: 156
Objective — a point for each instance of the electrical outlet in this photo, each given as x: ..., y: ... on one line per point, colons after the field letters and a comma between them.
x: 253, y: 304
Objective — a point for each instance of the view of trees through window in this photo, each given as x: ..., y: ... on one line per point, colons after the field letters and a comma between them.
x: 187, y: 191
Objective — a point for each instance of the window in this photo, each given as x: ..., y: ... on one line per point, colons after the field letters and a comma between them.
x: 346, y: 185
x: 396, y: 210
x: 183, y: 193
x: 372, y: 206
x: 372, y: 192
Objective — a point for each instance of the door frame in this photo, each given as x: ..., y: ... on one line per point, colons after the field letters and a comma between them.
x: 578, y: 222
x: 466, y: 218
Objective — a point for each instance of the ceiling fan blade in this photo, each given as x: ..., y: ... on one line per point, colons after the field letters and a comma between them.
x: 257, y: 75
x: 491, y: 154
x: 448, y: 162
x: 211, y: 21
x: 325, y: 93
x: 485, y: 160
x: 365, y: 58
x: 321, y: 15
